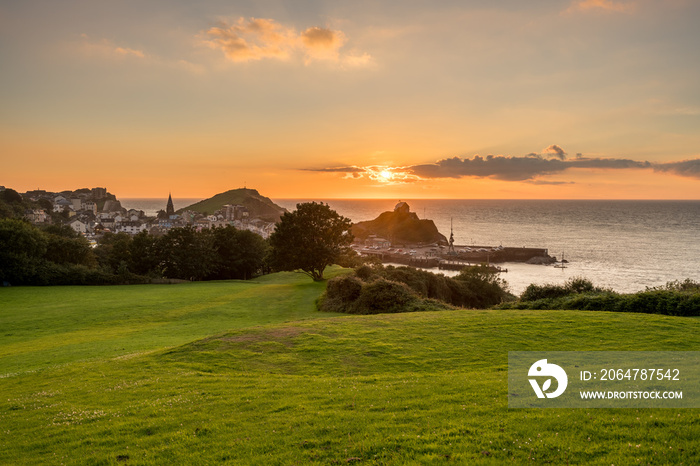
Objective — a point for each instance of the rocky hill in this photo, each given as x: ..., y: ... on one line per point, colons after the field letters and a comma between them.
x: 258, y: 206
x: 400, y: 227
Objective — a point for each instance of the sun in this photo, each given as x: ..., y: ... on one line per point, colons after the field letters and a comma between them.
x: 386, y: 175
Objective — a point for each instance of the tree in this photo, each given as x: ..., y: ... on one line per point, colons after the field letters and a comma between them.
x: 240, y: 253
x: 113, y: 251
x: 22, y: 248
x: 482, y: 287
x: 187, y: 254
x: 63, y: 249
x: 309, y: 239
x: 144, y: 254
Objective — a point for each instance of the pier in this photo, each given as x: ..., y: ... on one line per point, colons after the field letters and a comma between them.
x: 434, y: 256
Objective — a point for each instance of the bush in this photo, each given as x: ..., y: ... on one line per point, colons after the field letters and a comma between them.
x: 574, y: 285
x: 341, y: 294
x: 364, y: 272
x: 384, y: 296
x: 474, y: 287
x: 481, y: 287
x: 674, y: 299
x: 350, y: 295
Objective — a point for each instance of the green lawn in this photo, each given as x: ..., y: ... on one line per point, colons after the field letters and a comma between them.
x: 250, y: 373
x: 42, y: 326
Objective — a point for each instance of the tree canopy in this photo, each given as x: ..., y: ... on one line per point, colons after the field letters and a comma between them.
x: 309, y: 239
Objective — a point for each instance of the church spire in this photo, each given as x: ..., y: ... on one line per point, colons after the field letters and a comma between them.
x: 170, y: 208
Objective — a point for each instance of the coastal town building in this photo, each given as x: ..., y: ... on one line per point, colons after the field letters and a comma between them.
x: 61, y: 204
x: 131, y: 227
x: 78, y: 226
x: 81, y: 211
x: 377, y: 241
x: 235, y: 212
x: 170, y: 208
x: 402, y: 207
x: 36, y: 215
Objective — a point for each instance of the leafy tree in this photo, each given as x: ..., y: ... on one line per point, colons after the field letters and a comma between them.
x: 240, y: 253
x: 46, y: 205
x: 309, y: 239
x: 61, y: 230
x: 62, y: 249
x: 113, y: 253
x: 12, y: 205
x: 22, y: 248
x: 144, y: 254
x: 11, y: 196
x: 187, y: 254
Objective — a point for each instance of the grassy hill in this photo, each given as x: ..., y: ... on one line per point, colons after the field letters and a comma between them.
x: 250, y: 373
x: 259, y: 206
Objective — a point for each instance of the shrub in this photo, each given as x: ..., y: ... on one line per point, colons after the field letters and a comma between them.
x: 350, y: 295
x: 384, y: 296
x: 364, y: 272
x: 675, y: 299
x: 341, y: 294
x: 481, y: 287
x: 574, y: 285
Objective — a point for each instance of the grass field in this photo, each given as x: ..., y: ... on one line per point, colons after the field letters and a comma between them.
x: 250, y: 373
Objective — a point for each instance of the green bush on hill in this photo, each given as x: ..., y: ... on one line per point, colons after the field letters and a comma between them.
x: 350, y: 295
x: 378, y: 289
x: 573, y: 286
x: 675, y: 299
x: 475, y: 287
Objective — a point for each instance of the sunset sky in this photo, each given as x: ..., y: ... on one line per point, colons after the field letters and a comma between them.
x: 362, y: 99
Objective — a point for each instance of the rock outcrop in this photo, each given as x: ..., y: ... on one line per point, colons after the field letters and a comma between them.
x: 400, y: 227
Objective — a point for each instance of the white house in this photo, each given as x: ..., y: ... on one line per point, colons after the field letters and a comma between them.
x: 132, y: 227
x: 90, y: 206
x: 79, y: 226
x: 62, y: 204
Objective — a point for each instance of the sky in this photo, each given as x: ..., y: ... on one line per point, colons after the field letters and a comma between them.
x: 576, y: 99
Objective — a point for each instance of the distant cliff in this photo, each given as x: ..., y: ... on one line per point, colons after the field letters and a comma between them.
x: 400, y: 227
x: 258, y: 206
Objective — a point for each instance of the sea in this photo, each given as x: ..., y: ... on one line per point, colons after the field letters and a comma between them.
x: 625, y: 245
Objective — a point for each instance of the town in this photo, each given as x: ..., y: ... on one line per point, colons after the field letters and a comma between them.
x: 94, y: 212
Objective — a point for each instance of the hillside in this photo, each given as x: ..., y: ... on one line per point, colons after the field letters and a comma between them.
x: 249, y: 373
x: 259, y: 206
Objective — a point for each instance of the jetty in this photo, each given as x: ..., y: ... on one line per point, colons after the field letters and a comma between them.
x: 459, y: 265
x: 435, y: 256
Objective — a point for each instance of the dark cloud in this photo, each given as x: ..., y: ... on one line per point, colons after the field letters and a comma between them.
x: 689, y: 168
x: 555, y: 151
x: 498, y: 167
x: 524, y: 168
x: 529, y: 168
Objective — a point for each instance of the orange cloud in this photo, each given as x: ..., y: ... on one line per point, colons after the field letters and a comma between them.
x: 256, y: 39
x: 127, y: 51
x: 252, y: 40
x: 107, y: 48
x: 602, y: 5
